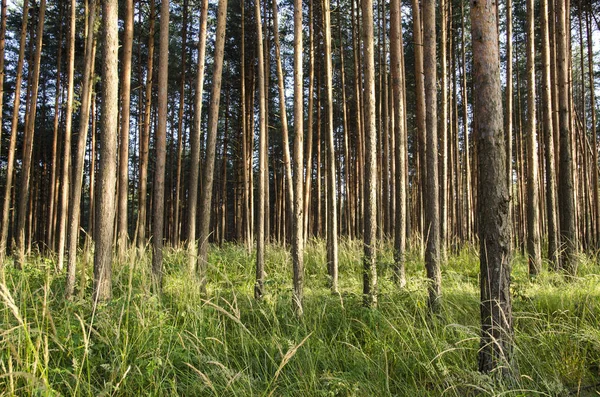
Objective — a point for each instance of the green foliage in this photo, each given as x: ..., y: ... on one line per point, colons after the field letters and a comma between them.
x: 228, y: 344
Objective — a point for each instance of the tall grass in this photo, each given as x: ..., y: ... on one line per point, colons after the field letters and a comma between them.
x: 228, y: 344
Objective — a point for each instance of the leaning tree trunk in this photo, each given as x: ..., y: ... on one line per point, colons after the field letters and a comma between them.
x: 2, y: 47
x: 298, y: 217
x: 494, y: 228
x: 23, y: 196
x: 107, y: 174
x: 78, y: 160
x: 211, y: 142
x: 13, y: 136
x: 195, y: 142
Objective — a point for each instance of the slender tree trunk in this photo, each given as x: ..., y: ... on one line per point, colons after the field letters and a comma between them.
x: 262, y: 160
x: 332, y: 242
x: 158, y: 208
x: 508, y: 124
x: 28, y: 141
x: 145, y: 139
x: 443, y: 143
x: 494, y: 229
x: 596, y: 195
x: 309, y: 133
x: 548, y: 139
x: 400, y: 135
x: 105, y: 200
x: 176, y: 228
x: 78, y: 160
x: 195, y: 141
x: 2, y: 47
x: 533, y: 205
x: 64, y: 203
x: 124, y: 131
x: 298, y: 218
x: 370, y: 230
x: 13, y: 136
x: 565, y: 179
x: 211, y: 142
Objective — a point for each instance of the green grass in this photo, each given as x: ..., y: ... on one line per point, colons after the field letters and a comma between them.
x: 231, y: 345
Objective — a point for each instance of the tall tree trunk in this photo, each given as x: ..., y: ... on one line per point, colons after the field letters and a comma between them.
x: 596, y: 195
x: 211, y: 142
x: 105, y: 193
x: 533, y: 205
x: 145, y: 139
x: 370, y: 230
x: 309, y: 133
x: 550, y: 170
x: 13, y: 136
x: 2, y: 47
x: 180, y: 131
x: 28, y: 140
x: 494, y: 229
x: 195, y: 141
x: 443, y: 144
x: 64, y: 202
x: 508, y: 123
x: 78, y: 160
x: 298, y: 218
x: 432, y: 210
x: 262, y: 160
x: 158, y: 209
x: 400, y: 137
x: 332, y: 238
x: 124, y: 131
x: 566, y: 203
x: 420, y: 105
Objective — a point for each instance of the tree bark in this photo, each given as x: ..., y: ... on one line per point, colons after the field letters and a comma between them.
x: 64, y: 194
x: 13, y: 136
x: 122, y: 234
x: 533, y: 217
x: 494, y: 229
x: 28, y: 141
x: 432, y: 209
x: 78, y: 160
x: 298, y: 218
x: 211, y: 142
x: 566, y: 203
x: 158, y: 208
x: 107, y: 175
x: 400, y: 137
x: 262, y: 160
x: 195, y: 142
x: 332, y: 238
x: 370, y: 229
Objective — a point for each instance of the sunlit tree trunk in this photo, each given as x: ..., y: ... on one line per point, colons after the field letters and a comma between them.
x: 24, y: 184
x: 195, y: 142
x: 107, y: 175
x: 13, y: 136
x: 494, y: 229
x: 124, y: 131
x: 533, y: 216
x: 211, y: 142
x: 158, y: 213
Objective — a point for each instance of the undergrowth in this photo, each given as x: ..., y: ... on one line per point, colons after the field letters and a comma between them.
x: 228, y: 344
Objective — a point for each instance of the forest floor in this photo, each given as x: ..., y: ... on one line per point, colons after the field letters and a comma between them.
x: 228, y: 344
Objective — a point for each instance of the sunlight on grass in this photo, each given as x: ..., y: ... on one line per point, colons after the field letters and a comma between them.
x: 226, y: 343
